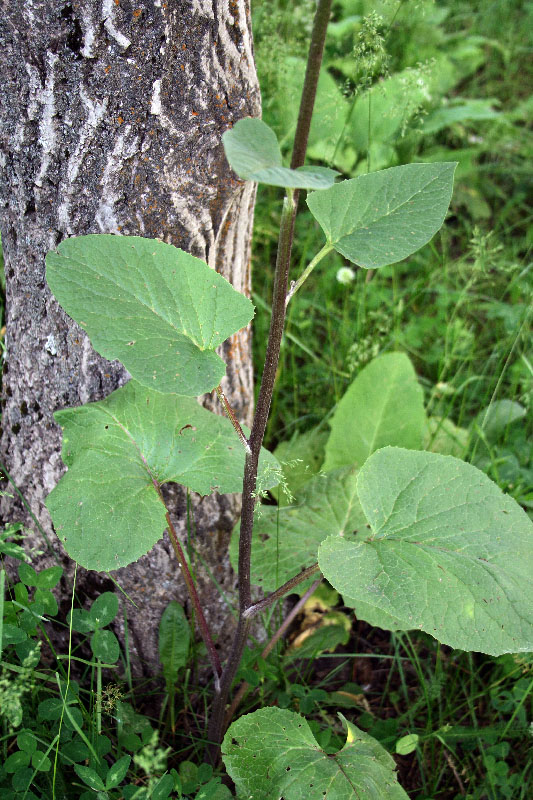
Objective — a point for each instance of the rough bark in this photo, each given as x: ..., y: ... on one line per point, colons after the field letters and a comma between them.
x: 111, y: 117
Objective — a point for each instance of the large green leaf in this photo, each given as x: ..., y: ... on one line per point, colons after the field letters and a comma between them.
x: 382, y: 217
x: 383, y: 406
x: 286, y: 540
x: 155, y: 308
x: 106, y: 509
x: 272, y: 754
x: 449, y: 553
x: 253, y: 152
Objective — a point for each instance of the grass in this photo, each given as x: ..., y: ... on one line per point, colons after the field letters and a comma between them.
x: 461, y: 309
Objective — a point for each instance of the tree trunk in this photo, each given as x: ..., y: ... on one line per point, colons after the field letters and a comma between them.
x: 111, y: 116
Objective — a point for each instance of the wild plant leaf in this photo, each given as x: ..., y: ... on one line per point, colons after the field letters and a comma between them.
x: 493, y: 421
x: 459, y: 111
x: 383, y: 217
x: 374, y: 616
x: 329, y: 113
x: 174, y: 639
x: 382, y: 113
x: 443, y: 436
x: 155, y: 308
x: 253, y: 152
x: 272, y: 754
x: 286, y: 540
x: 89, y: 777
x: 384, y: 405
x: 105, y: 646
x: 104, y: 609
x: 106, y: 509
x: 117, y: 772
x: 448, y: 552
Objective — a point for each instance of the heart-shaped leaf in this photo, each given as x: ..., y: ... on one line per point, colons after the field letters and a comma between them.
x: 155, y: 308
x: 106, y: 508
x: 383, y: 406
x: 286, y: 540
x: 104, y: 609
x: 272, y: 754
x: 449, y: 553
x: 105, y: 646
x: 253, y: 152
x: 385, y: 216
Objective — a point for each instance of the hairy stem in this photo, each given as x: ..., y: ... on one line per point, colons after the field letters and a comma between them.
x: 295, y: 285
x: 233, y: 419
x: 291, y: 584
x: 277, y: 321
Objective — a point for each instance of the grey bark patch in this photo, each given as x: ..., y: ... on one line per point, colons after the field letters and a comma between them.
x: 111, y: 121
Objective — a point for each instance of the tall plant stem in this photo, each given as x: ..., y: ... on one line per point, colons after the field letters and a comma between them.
x: 243, y: 688
x: 277, y: 321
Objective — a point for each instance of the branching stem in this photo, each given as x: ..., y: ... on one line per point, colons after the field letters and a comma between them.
x: 277, y: 321
x: 243, y: 688
x: 291, y: 584
x: 295, y: 285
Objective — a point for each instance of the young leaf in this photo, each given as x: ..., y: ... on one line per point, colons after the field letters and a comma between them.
x: 104, y: 609
x: 383, y: 406
x: 272, y: 753
x: 105, y: 646
x: 106, y: 509
x: 174, y: 638
x: 117, y: 772
x: 90, y: 777
x: 286, y: 540
x: 48, y: 578
x: 448, y: 552
x: 163, y: 787
x: 155, y: 308
x: 383, y: 217
x: 253, y: 152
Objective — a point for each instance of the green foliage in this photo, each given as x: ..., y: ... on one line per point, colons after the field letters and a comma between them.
x: 448, y: 552
x: 106, y: 508
x: 273, y: 753
x: 382, y: 218
x: 412, y: 540
x: 154, y: 307
x: 252, y: 150
x: 286, y: 540
x: 174, y: 640
x: 383, y: 406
